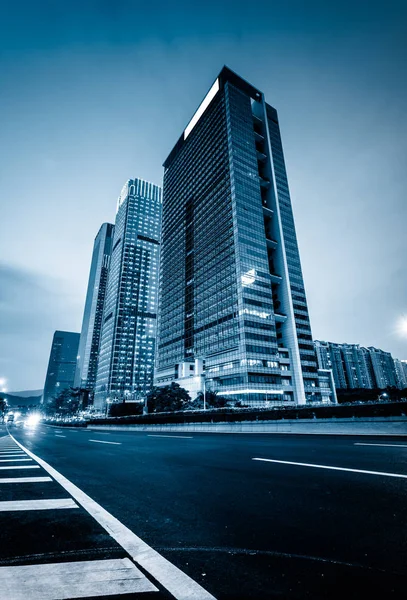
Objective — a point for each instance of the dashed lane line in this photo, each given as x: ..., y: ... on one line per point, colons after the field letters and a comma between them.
x: 298, y: 464
x: 56, y: 435
x: 388, y: 445
x: 55, y: 503
x: 180, y: 585
x: 24, y: 479
x: 105, y: 442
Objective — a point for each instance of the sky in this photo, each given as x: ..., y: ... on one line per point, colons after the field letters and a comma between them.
x: 95, y: 92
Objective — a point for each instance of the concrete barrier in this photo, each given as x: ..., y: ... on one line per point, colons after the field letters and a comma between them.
x: 367, y: 426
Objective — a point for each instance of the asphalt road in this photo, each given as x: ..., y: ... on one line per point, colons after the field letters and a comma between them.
x: 245, y: 528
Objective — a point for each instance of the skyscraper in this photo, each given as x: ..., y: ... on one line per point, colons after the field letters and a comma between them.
x: 86, y: 367
x: 62, y: 364
x: 126, y: 356
x: 231, y: 289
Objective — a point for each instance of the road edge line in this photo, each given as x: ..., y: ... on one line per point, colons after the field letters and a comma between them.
x: 175, y: 581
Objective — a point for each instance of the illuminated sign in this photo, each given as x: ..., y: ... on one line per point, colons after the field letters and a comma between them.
x: 203, y: 106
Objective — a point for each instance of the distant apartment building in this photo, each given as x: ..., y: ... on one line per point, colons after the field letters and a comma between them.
x: 329, y: 356
x: 86, y: 367
x: 233, y: 309
x: 383, y: 368
x: 127, y: 346
x: 401, y: 373
x: 62, y: 364
x: 355, y: 367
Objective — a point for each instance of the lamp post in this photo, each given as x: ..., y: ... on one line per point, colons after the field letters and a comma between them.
x: 204, y: 390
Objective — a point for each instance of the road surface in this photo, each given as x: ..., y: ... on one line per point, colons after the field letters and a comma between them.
x: 251, y: 516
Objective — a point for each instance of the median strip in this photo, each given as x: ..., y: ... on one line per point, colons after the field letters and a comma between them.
x: 298, y: 464
x: 186, y: 437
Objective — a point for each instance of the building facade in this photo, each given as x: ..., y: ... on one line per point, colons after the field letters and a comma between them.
x: 126, y: 356
x: 86, y: 367
x: 383, y: 368
x: 401, y: 373
x: 231, y: 286
x: 355, y: 367
x: 61, y: 365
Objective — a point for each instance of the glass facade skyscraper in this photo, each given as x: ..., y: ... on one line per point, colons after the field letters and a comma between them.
x: 86, y: 367
x: 231, y: 287
x: 62, y: 364
x: 126, y: 356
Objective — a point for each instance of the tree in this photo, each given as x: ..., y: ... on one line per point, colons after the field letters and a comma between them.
x: 3, y: 406
x: 212, y: 399
x: 122, y: 409
x: 66, y: 402
x: 167, y: 398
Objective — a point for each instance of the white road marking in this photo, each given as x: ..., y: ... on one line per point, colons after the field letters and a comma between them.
x: 187, y: 437
x: 14, y: 459
x: 56, y: 435
x: 24, y: 479
x: 180, y: 585
x: 21, y: 467
x: 37, y: 504
x: 298, y: 464
x: 390, y: 445
x: 9, y: 453
x: 104, y: 442
x: 73, y: 580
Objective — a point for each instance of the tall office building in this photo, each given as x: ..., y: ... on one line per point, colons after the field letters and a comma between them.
x: 86, y: 367
x: 61, y: 365
x: 126, y: 356
x: 231, y: 290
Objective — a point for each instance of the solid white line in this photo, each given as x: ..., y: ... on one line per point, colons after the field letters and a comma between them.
x: 21, y: 467
x: 56, y: 435
x: 186, y: 437
x: 24, y: 479
x: 389, y: 445
x: 14, y: 459
x: 37, y: 504
x: 298, y: 464
x: 173, y: 579
x: 104, y: 442
x: 80, y: 579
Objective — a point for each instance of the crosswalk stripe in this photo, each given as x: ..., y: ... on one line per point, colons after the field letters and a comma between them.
x: 24, y: 479
x: 37, y: 504
x: 21, y: 467
x: 73, y: 580
x: 14, y: 459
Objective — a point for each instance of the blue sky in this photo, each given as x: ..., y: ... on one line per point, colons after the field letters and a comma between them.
x: 95, y: 92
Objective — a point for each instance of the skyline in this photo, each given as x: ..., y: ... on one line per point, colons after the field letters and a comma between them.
x: 77, y: 127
